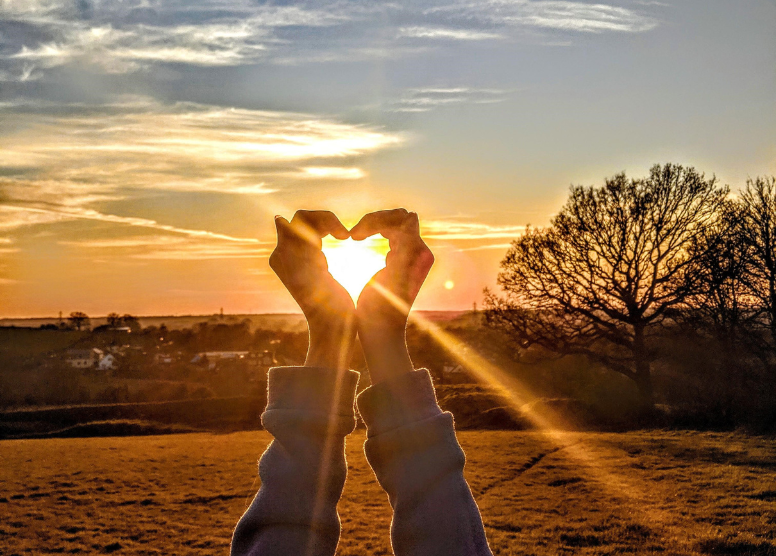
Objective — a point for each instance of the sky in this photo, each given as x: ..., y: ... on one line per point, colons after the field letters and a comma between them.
x: 145, y: 145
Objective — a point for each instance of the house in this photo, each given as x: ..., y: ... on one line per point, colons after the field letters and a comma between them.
x: 214, y: 359
x: 452, y: 369
x: 267, y: 359
x: 83, y: 358
x: 455, y: 374
x: 108, y: 363
x: 163, y: 359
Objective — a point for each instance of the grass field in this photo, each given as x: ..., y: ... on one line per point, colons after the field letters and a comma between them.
x: 27, y: 342
x: 642, y: 492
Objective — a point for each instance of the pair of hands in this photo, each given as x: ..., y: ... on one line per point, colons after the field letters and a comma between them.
x: 380, y: 316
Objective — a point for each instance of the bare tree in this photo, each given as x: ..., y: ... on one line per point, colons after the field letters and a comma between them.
x: 610, y: 267
x: 722, y: 303
x: 78, y: 320
x: 759, y: 233
x: 113, y: 320
x: 723, y: 316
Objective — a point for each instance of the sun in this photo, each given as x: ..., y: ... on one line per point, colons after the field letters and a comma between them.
x: 353, y: 263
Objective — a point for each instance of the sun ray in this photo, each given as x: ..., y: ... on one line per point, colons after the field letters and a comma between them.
x: 547, y: 422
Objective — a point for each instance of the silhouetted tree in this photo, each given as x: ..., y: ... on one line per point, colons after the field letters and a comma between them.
x: 722, y: 314
x: 78, y: 320
x: 759, y: 233
x: 113, y: 320
x: 608, y: 269
x: 721, y: 302
x: 131, y: 322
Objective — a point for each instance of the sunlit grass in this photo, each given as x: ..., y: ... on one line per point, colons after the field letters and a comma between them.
x: 183, y: 494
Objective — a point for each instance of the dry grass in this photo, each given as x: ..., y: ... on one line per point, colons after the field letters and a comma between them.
x: 672, y: 493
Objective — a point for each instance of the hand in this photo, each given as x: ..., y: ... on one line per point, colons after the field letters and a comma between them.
x: 385, y: 302
x: 301, y: 266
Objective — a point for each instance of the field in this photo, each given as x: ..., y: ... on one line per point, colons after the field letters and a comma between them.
x: 641, y: 492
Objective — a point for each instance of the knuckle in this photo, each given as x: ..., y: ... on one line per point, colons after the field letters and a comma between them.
x: 274, y: 260
x: 302, y: 215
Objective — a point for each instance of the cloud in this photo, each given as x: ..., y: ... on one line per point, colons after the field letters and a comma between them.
x: 63, y: 163
x: 429, y: 98
x: 128, y: 36
x: 162, y: 247
x: 457, y: 230
x: 442, y: 33
x: 83, y: 155
x: 12, y: 218
x: 551, y: 14
x: 121, y: 37
x: 27, y: 215
x: 330, y: 172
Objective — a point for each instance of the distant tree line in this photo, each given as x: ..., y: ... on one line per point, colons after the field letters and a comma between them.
x: 633, y: 273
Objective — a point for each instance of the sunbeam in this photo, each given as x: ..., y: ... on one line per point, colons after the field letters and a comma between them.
x: 546, y: 421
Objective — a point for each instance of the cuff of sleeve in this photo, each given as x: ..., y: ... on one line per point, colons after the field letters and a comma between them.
x: 311, y: 389
x: 397, y: 402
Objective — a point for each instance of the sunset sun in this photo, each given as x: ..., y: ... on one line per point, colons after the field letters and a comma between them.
x: 353, y: 263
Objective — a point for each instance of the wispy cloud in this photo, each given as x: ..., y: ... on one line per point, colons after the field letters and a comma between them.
x: 82, y: 155
x: 158, y: 247
x: 64, y: 163
x: 460, y: 230
x: 120, y: 37
x: 332, y: 172
x: 80, y: 213
x: 127, y: 36
x: 446, y: 33
x: 429, y: 98
x: 551, y: 14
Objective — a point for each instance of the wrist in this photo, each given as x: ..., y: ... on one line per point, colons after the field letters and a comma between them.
x: 386, y: 355
x: 330, y: 347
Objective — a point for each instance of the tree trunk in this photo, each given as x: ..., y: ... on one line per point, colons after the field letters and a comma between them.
x: 772, y: 305
x: 644, y: 384
x: 643, y: 369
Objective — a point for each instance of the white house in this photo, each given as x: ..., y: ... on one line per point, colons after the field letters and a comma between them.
x: 453, y: 369
x: 108, y: 363
x: 163, y: 359
x: 83, y: 358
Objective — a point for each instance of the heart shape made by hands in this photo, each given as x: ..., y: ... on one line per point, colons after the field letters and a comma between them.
x: 353, y: 263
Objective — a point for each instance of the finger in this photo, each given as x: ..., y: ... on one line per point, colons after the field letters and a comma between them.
x: 386, y: 222
x: 313, y: 225
x: 283, y: 228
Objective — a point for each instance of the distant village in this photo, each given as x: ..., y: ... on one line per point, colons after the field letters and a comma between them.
x: 71, y: 362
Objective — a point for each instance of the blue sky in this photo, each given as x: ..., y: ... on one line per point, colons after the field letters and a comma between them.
x: 146, y: 145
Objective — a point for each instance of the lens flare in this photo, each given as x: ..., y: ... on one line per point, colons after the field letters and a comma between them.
x: 353, y: 263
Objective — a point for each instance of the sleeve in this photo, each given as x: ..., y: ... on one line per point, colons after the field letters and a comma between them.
x: 309, y: 412
x: 412, y: 448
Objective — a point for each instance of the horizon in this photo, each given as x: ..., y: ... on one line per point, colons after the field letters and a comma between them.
x: 147, y: 145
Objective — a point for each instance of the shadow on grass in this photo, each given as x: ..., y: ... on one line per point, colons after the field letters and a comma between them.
x: 736, y: 547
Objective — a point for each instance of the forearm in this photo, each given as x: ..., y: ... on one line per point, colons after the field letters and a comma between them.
x: 413, y: 450
x: 309, y: 413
